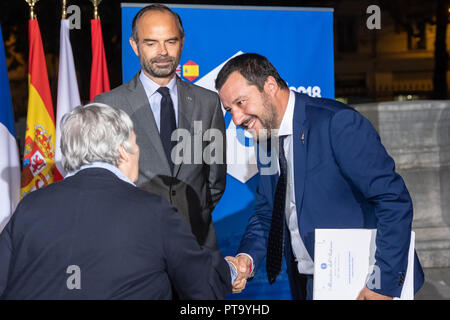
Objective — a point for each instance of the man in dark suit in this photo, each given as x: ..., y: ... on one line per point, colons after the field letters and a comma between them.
x: 95, y: 235
x: 331, y: 171
x: 159, y: 102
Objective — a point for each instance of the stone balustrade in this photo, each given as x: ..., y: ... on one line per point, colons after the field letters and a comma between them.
x: 417, y: 135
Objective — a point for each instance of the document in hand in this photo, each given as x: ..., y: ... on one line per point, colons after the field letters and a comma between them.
x: 344, y: 262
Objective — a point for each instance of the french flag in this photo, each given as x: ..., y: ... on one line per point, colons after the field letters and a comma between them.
x: 9, y: 155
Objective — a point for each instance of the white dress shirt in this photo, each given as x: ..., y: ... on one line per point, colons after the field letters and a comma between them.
x: 304, y: 262
x: 154, y: 97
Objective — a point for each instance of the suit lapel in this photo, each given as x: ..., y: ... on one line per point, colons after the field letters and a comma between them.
x: 140, y: 106
x: 300, y: 138
x: 185, y: 105
x: 185, y: 111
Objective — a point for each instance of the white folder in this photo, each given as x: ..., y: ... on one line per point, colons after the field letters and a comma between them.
x: 344, y: 262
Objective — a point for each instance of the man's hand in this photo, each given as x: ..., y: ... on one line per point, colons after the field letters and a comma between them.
x: 242, y: 263
x: 367, y: 294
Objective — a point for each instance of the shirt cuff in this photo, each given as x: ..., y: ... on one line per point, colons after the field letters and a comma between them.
x: 233, y: 271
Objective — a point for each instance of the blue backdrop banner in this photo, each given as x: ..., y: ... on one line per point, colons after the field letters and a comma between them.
x: 298, y: 42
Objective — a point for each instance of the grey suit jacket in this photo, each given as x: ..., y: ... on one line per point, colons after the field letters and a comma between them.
x: 194, y: 187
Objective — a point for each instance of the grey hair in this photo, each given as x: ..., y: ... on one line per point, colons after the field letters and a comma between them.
x: 94, y: 132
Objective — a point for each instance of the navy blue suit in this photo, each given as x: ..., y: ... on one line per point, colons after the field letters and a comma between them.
x: 344, y: 178
x: 127, y: 243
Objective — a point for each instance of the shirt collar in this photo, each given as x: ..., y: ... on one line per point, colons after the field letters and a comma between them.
x: 102, y: 165
x: 151, y: 86
x: 286, y: 126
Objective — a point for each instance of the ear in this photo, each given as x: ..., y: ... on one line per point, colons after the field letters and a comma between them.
x: 123, y: 156
x: 182, y: 43
x: 134, y: 45
x: 271, y: 86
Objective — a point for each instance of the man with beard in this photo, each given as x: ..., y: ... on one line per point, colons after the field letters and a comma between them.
x: 333, y: 172
x: 159, y: 102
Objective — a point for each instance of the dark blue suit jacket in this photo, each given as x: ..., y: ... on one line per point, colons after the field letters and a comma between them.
x: 128, y: 244
x: 344, y: 178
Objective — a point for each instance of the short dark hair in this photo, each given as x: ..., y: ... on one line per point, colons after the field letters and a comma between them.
x: 156, y: 7
x: 254, y: 67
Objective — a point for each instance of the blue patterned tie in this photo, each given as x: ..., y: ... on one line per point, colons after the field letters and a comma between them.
x: 167, y: 124
x: 275, y: 245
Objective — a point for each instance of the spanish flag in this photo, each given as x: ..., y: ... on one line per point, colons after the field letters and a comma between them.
x: 39, y: 155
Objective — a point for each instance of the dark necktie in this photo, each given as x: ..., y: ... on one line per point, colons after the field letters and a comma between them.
x: 167, y: 124
x: 275, y: 243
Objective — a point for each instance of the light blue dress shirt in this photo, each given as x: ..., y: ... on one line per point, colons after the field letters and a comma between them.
x: 154, y: 97
x: 102, y: 165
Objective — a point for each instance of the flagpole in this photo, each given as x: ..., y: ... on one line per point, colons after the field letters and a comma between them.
x: 96, y: 3
x: 32, y: 3
x: 64, y: 10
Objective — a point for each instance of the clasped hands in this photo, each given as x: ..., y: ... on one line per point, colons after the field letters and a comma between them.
x: 243, y: 265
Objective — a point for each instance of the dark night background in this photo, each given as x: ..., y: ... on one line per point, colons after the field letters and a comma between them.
x: 407, y: 59
x: 407, y: 16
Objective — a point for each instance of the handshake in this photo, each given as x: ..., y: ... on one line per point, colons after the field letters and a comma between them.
x: 243, y: 265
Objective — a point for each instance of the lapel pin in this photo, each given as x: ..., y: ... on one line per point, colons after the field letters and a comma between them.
x: 303, y: 138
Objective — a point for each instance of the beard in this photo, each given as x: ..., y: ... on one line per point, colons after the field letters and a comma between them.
x: 269, y: 120
x: 150, y: 65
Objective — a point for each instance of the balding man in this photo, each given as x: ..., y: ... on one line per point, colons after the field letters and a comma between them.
x: 159, y: 102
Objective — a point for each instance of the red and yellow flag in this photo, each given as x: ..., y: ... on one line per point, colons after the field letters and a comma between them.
x: 39, y: 155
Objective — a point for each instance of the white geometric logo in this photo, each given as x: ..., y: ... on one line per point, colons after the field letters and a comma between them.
x: 241, y: 157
